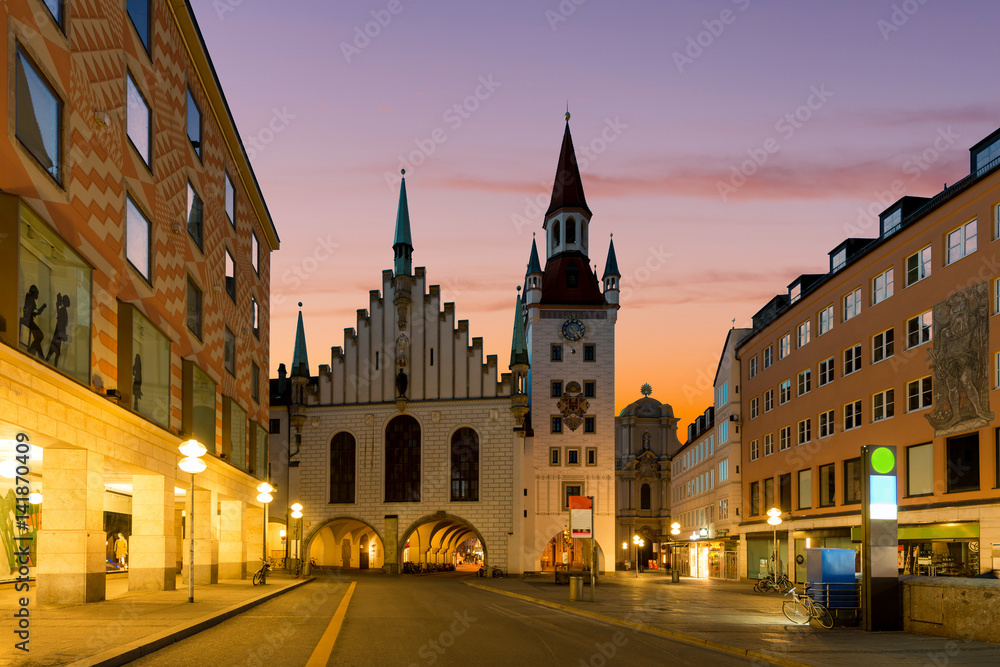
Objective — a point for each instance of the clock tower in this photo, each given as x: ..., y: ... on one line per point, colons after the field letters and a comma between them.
x: 569, y: 325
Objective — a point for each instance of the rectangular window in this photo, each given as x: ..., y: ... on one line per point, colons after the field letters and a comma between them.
x: 919, y: 394
x: 255, y: 253
x: 146, y: 353
x: 852, y: 304
x: 795, y: 293
x: 572, y: 457
x: 768, y: 400
x: 589, y: 389
x: 962, y: 242
x: 557, y: 388
x: 195, y: 211
x: 722, y: 395
x: 892, y: 222
x: 753, y: 366
x: 918, y: 266
x: 852, y: 415
x: 754, y: 450
x: 557, y: 424
x: 754, y: 404
x: 785, y: 492
x: 852, y: 481
x: 882, y: 286
x: 193, y: 123
x: 825, y: 372
x: 768, y: 493
x: 255, y: 320
x: 827, y: 486
x: 920, y: 470
x: 784, y: 392
x: 805, y: 381
x: 754, y: 498
x: 784, y: 346
x: 229, y: 352
x: 882, y: 345
x: 825, y: 320
x: 804, y: 333
x: 557, y: 353
x: 838, y: 261
x: 784, y: 438
x: 137, y: 241
x: 805, y: 489
x: 138, y: 11
x: 275, y: 426
x: 553, y: 456
x: 768, y: 356
x: 194, y: 308
x: 805, y: 431
x: 230, y: 199
x: 768, y: 444
x: 962, y: 466
x: 38, y: 115
x: 852, y: 359
x: 138, y: 119
x: 919, y: 329
x: 723, y: 434
x: 882, y: 405
x: 590, y: 425
x: 235, y: 418
x: 230, y: 275
x: 590, y: 353
x: 255, y: 381
x: 198, y: 406
x: 826, y: 423
x: 591, y: 456
x: 574, y: 489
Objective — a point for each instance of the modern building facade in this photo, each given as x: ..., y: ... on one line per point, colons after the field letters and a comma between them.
x: 135, y: 244
x: 896, y: 344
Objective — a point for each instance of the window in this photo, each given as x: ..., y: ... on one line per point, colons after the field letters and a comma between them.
x: 573, y: 457
x: 255, y: 320
x: 892, y: 222
x: 574, y: 489
x: 882, y: 345
x: 230, y: 352
x: 230, y: 275
x: 852, y: 415
x: 342, y: 468
x: 274, y: 426
x: 137, y: 239
x: 753, y: 366
x: 919, y: 394
x: 255, y: 253
x: 557, y: 353
x: 804, y: 335
x: 234, y: 421
x: 852, y: 359
x: 962, y: 469
x: 230, y: 199
x: 753, y: 407
x: 553, y: 456
x: 785, y: 492
x: 795, y: 293
x: 195, y: 211
x: 557, y: 390
x: 838, y: 261
x: 589, y: 389
x: 590, y: 425
x: 591, y: 456
x: 769, y: 493
x: 784, y: 392
x: 590, y: 353
x: 918, y: 266
x: 805, y: 431
x: 768, y: 400
x: 918, y: 329
x: 198, y: 406
x: 722, y: 394
x: 465, y: 465
x: 194, y: 123
x: 852, y: 304
x: 882, y: 405
x: 784, y: 346
x: 38, y: 115
x: 194, y: 308
x: 754, y: 450
x: 882, y: 287
x: 768, y: 444
x: 962, y: 242
x: 723, y: 434
x: 148, y: 354
x: 754, y: 498
x: 784, y: 438
x: 644, y: 497
x: 825, y: 320
x: 571, y: 231
x: 920, y: 470
x: 255, y: 381
x: 826, y: 424
x: 768, y: 356
x: 805, y: 381
x: 825, y: 372
x: 402, y: 460
x: 852, y: 481
x: 827, y: 486
x: 557, y: 424
x: 138, y: 11
x: 805, y: 489
x: 138, y: 119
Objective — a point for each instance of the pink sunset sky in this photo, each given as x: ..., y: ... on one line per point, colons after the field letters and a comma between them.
x: 728, y: 145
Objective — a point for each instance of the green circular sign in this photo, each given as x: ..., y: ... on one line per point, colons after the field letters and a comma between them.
x: 883, y: 460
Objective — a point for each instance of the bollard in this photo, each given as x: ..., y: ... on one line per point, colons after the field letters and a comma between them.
x: 575, y: 589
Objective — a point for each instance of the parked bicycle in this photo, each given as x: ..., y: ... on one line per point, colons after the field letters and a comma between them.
x: 296, y: 569
x: 495, y: 572
x: 802, y: 609
x: 779, y: 583
x: 260, y: 576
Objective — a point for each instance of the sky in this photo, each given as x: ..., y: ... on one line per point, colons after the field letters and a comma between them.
x: 728, y: 145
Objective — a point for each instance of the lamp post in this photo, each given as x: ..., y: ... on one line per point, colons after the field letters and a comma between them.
x: 774, y: 518
x: 638, y: 542
x: 675, y: 575
x: 625, y: 550
x: 297, y: 514
x: 264, y: 497
x: 191, y: 463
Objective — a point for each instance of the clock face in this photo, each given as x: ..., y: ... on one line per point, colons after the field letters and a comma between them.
x: 573, y: 329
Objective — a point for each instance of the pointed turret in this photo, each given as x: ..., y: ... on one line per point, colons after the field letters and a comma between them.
x: 519, y: 345
x: 402, y: 245
x: 611, y: 266
x: 300, y: 357
x: 567, y: 192
x: 612, y: 276
x: 533, y: 277
x: 534, y: 266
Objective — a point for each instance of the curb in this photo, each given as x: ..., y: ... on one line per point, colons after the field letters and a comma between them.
x: 649, y: 629
x: 150, y: 643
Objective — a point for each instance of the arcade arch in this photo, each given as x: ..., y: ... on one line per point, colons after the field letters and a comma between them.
x: 439, y: 539
x: 565, y: 552
x: 346, y: 542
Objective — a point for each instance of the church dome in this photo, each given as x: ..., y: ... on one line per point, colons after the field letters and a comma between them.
x: 647, y: 408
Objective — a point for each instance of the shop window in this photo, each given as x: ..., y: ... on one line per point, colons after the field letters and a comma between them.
x: 852, y: 481
x: 137, y: 239
x: 342, y: 468
x: 258, y: 451
x: 768, y: 493
x: 827, y: 486
x: 962, y: 471
x: 144, y: 351
x: 198, y: 405
x: 52, y: 307
x: 644, y: 497
x: 37, y: 116
x: 402, y: 460
x: 465, y: 465
x: 805, y: 489
x: 754, y: 498
x: 235, y: 432
x: 920, y: 470
x: 195, y: 214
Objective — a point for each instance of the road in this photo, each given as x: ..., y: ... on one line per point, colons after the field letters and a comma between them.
x: 423, y: 620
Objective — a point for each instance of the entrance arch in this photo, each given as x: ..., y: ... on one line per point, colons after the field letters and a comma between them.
x: 577, y: 552
x: 344, y: 542
x: 436, y: 539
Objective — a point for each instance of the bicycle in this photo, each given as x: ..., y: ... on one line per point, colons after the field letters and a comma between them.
x: 495, y: 572
x: 772, y: 583
x: 296, y: 569
x: 260, y: 576
x: 802, y: 609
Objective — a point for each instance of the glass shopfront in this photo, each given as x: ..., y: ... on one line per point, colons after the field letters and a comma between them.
x: 150, y: 370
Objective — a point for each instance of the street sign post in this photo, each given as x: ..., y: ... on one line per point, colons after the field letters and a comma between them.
x: 581, y: 525
x: 880, y: 556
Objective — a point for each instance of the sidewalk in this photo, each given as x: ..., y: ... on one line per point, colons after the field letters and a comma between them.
x: 729, y: 616
x: 127, y: 624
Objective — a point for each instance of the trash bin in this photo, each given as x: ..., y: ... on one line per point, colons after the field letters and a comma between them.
x: 575, y: 588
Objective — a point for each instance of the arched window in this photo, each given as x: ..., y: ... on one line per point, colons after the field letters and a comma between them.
x: 571, y: 231
x: 342, y: 449
x: 555, y: 235
x: 402, y: 460
x: 644, y: 503
x: 583, y: 234
x: 465, y: 465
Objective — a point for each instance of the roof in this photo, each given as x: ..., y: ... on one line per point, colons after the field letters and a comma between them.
x: 402, y: 218
x: 611, y: 266
x: 534, y: 266
x: 518, y: 345
x: 647, y: 408
x: 300, y: 357
x: 567, y: 191
x: 555, y: 289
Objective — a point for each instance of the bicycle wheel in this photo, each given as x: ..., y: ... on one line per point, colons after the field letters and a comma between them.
x: 756, y: 587
x: 258, y: 578
x: 822, y: 614
x: 795, y: 612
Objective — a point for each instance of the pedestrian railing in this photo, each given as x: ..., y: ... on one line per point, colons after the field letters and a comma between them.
x: 843, y: 599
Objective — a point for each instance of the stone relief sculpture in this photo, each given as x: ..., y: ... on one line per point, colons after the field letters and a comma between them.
x: 573, y: 406
x: 647, y: 468
x: 960, y: 362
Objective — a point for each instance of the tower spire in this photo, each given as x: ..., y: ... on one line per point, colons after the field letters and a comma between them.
x: 518, y: 345
x: 300, y: 357
x: 402, y: 244
x: 611, y: 266
x: 534, y: 266
x: 567, y: 191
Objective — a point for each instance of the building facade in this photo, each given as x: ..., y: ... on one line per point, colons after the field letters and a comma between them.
x: 896, y: 344
x: 136, y: 246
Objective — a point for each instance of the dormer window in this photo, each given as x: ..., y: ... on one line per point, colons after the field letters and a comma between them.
x: 892, y: 222
x: 571, y: 231
x: 987, y: 154
x: 795, y: 293
x: 839, y: 260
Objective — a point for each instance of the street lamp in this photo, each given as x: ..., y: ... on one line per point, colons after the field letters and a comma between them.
x: 297, y: 514
x: 264, y: 497
x: 625, y: 550
x: 774, y: 518
x: 191, y: 463
x: 675, y: 575
x: 638, y: 542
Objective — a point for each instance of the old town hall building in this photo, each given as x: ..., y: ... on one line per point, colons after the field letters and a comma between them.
x: 410, y: 445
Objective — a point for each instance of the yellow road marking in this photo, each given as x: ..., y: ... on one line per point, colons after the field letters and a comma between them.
x: 321, y: 654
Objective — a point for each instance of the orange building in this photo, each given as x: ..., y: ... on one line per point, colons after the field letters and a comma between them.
x: 895, y: 345
x: 135, y: 247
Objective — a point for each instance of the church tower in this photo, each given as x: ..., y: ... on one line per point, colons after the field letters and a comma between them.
x: 570, y: 335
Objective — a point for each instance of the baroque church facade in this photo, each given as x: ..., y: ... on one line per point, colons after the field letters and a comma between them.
x: 411, y: 445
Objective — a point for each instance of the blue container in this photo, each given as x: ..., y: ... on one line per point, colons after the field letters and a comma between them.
x: 830, y: 577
